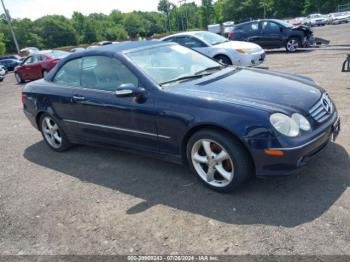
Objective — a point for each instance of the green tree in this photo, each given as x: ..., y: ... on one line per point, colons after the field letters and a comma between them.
x: 207, y: 12
x: 116, y: 17
x: 2, y: 44
x: 56, y: 31
x: 133, y: 25
x: 165, y: 7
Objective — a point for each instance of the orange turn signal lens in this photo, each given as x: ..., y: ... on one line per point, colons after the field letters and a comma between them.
x: 274, y: 152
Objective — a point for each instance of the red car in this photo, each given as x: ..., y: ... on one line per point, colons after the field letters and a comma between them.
x: 37, y: 65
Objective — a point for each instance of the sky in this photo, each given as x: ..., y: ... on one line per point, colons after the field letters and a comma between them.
x: 34, y: 9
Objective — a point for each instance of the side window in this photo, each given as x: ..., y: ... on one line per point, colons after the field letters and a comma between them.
x: 190, y: 42
x: 268, y: 26
x: 170, y: 39
x: 35, y: 59
x: 40, y: 58
x: 249, y: 27
x: 105, y: 73
x: 29, y: 60
x: 69, y: 73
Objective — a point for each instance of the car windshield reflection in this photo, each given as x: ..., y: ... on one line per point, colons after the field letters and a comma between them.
x: 173, y: 63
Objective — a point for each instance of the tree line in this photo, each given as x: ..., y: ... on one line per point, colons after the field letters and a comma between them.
x: 54, y: 31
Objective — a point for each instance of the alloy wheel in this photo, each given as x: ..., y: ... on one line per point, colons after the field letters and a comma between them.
x: 292, y: 45
x: 51, y: 132
x: 212, y: 163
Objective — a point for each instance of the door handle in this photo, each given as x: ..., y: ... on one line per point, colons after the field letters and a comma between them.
x: 78, y: 99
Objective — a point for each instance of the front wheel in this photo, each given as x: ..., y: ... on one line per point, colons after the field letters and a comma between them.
x: 292, y: 44
x: 53, y: 134
x: 223, y: 59
x: 218, y: 160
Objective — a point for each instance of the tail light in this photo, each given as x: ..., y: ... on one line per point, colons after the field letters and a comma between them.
x: 229, y: 35
x: 23, y: 98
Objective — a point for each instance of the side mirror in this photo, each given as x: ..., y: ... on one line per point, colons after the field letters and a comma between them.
x: 281, y: 29
x: 130, y: 90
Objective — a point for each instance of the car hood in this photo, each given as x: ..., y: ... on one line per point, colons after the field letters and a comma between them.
x: 238, y: 45
x: 260, y: 88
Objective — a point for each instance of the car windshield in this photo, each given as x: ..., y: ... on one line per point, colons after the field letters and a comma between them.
x: 211, y: 38
x: 285, y: 24
x: 171, y: 64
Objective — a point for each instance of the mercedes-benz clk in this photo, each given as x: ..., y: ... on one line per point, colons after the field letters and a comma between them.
x: 165, y: 100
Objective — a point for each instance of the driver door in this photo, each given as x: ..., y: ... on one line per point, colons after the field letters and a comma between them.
x: 24, y: 70
x: 100, y: 116
x: 271, y: 34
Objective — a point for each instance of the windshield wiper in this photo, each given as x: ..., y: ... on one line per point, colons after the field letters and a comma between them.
x: 208, y: 69
x: 181, y: 79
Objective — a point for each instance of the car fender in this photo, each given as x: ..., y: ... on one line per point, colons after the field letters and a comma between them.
x: 230, y: 53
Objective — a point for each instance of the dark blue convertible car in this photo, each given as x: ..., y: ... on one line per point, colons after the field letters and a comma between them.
x: 228, y: 123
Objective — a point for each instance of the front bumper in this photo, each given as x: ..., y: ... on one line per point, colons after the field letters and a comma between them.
x: 253, y: 59
x: 297, y: 157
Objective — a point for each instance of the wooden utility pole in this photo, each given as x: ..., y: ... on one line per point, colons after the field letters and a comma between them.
x: 8, y: 18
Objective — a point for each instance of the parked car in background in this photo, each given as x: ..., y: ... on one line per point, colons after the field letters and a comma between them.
x: 10, y: 64
x: 37, y: 65
x: 228, y: 123
x: 215, y: 28
x: 218, y: 47
x: 16, y: 57
x: 77, y: 49
x: 2, y: 73
x: 316, y: 20
x: 28, y: 51
x: 105, y: 43
x: 298, y: 21
x: 272, y: 33
x: 339, y: 18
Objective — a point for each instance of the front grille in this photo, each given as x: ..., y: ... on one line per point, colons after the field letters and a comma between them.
x: 322, y: 109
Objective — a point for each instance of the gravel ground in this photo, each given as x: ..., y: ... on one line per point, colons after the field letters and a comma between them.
x: 97, y: 201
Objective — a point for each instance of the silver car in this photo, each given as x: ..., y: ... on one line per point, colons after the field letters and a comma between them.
x: 218, y: 47
x: 2, y: 73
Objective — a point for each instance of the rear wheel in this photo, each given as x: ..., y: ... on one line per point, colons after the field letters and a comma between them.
x: 18, y: 78
x: 53, y: 134
x: 218, y: 160
x: 223, y: 59
x: 293, y: 44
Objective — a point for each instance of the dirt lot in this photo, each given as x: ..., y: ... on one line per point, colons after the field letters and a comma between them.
x: 97, y: 201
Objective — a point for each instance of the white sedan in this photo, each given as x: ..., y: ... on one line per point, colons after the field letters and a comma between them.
x: 218, y: 47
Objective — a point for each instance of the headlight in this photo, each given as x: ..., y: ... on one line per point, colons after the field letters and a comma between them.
x: 284, y: 124
x: 248, y: 50
x: 302, y: 122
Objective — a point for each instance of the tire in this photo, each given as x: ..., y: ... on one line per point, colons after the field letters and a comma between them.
x: 18, y: 79
x: 53, y: 134
x: 45, y: 72
x: 293, y: 44
x: 223, y: 59
x: 228, y: 164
